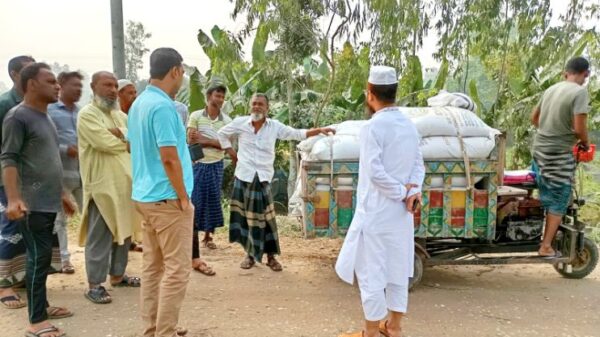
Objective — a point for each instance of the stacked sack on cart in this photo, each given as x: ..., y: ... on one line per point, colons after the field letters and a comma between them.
x: 447, y: 132
x: 442, y: 130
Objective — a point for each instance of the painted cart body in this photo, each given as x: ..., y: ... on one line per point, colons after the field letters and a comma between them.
x: 455, y: 225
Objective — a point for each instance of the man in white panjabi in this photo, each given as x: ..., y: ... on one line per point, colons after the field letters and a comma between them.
x: 379, y: 247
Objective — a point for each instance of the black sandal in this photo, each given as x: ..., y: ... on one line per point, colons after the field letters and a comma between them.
x: 98, y: 295
x: 128, y: 282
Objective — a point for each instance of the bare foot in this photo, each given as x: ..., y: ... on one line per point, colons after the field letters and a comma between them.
x: 546, y: 251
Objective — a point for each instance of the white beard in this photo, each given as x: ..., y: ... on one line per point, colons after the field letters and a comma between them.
x: 257, y: 117
x: 105, y: 104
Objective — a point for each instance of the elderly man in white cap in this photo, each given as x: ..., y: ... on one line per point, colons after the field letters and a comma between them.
x: 127, y: 94
x: 379, y: 246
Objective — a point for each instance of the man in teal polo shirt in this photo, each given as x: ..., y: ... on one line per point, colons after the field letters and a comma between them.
x: 162, y: 184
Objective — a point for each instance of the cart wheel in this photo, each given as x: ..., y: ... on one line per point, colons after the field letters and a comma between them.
x: 417, y: 272
x: 584, y: 263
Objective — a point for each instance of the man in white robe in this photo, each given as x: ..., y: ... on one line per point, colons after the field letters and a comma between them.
x: 379, y: 246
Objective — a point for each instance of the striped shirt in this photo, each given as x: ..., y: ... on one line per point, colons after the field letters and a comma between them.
x: 208, y: 127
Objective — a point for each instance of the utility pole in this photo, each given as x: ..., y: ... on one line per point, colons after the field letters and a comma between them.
x: 118, y: 38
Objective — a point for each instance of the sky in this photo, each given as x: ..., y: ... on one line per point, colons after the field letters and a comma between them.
x: 78, y: 32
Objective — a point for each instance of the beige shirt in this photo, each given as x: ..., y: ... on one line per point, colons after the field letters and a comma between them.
x: 105, y: 167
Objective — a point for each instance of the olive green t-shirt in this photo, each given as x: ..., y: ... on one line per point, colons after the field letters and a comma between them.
x: 558, y: 106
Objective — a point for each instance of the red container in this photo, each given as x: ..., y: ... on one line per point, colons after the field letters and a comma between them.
x: 481, y: 199
x: 436, y: 199
x: 458, y: 212
x: 457, y: 222
x: 584, y: 156
x: 344, y: 198
x: 321, y: 218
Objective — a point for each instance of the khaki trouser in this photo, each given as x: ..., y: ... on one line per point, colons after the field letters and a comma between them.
x: 167, y: 264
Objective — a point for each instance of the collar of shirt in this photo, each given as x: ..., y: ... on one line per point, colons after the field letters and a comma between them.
x: 155, y: 89
x: 60, y: 104
x: 267, y: 122
x: 205, y: 114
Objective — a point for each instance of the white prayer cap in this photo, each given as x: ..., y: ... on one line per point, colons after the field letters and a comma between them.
x: 382, y: 75
x: 123, y: 83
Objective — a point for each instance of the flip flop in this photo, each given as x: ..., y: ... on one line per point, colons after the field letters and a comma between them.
x: 557, y: 254
x: 13, y: 298
x: 53, y: 313
x: 40, y: 332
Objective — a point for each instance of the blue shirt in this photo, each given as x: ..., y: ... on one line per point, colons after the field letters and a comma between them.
x: 154, y: 123
x: 65, y: 121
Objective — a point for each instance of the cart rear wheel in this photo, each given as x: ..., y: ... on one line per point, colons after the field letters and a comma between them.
x: 584, y: 263
x: 419, y: 265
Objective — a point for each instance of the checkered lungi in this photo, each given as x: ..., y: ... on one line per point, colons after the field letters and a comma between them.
x: 252, y: 222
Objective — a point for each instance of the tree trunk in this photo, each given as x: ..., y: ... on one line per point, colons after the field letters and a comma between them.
x: 293, y: 171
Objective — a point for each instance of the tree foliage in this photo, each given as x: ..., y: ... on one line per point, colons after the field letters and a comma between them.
x: 503, y: 53
x: 135, y: 49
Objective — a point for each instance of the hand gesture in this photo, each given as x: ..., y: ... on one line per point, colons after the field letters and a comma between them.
x: 327, y: 131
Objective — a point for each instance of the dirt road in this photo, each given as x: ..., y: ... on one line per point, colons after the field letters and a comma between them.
x: 308, y: 300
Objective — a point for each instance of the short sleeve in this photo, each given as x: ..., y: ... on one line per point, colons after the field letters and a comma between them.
x: 193, y: 120
x: 165, y: 124
x: 13, y: 137
x: 581, y: 103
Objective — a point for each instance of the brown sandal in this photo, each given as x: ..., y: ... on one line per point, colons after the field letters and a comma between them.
x: 67, y: 268
x: 274, y: 265
x: 247, y: 263
x: 205, y: 269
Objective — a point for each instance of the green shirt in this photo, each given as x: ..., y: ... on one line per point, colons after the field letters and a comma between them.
x: 8, y: 100
x: 208, y: 127
x: 558, y: 106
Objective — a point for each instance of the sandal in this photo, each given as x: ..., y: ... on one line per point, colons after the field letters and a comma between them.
x: 126, y: 281
x: 98, y: 295
x: 136, y: 248
x: 247, y: 263
x: 13, y: 298
x: 58, y: 313
x: 205, y: 269
x: 274, y: 265
x: 67, y: 268
x: 181, y: 331
x: 45, y: 331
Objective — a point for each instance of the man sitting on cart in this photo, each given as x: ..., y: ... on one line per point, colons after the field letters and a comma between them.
x: 561, y: 122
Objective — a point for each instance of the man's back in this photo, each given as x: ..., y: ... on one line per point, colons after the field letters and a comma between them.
x: 558, y: 106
